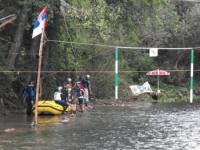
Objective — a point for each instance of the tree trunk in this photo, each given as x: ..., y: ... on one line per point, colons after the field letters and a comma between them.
x: 18, y: 37
x: 33, y: 58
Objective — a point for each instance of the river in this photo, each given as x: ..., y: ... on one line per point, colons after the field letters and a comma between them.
x: 143, y: 126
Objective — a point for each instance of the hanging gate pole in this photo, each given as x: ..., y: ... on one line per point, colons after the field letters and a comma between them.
x: 158, y: 89
x: 191, y: 75
x: 116, y: 73
x: 38, y: 76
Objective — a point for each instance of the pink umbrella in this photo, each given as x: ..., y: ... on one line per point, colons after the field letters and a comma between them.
x: 158, y: 73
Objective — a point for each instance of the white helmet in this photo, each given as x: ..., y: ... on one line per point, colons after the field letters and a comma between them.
x: 59, y: 88
x: 69, y: 79
x: 87, y: 76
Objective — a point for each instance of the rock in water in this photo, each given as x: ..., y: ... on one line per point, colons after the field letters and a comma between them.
x: 65, y: 120
x: 9, y: 130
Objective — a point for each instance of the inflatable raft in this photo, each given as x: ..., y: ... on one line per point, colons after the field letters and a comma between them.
x: 50, y: 107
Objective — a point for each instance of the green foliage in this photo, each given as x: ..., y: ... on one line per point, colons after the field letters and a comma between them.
x: 121, y: 23
x: 151, y: 23
x: 173, y: 94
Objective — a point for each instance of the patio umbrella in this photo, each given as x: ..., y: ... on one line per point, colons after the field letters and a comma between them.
x: 158, y: 73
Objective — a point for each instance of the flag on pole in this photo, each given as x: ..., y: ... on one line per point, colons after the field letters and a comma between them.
x: 153, y: 52
x: 40, y: 23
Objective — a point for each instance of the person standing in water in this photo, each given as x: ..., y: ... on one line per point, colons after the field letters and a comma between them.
x: 80, y: 95
x: 29, y: 94
x: 69, y: 88
x: 57, y: 94
x: 87, y: 88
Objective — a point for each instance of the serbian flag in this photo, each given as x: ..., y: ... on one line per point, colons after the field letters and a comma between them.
x: 40, y: 23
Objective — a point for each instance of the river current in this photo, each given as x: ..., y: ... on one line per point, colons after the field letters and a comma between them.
x: 143, y: 126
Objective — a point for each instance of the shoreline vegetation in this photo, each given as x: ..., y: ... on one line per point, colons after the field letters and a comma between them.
x: 169, y: 94
x: 162, y: 99
x: 83, y: 41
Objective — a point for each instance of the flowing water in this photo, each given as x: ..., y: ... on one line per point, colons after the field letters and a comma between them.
x: 138, y: 127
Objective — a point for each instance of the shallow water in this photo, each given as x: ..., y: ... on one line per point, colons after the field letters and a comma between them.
x: 139, y: 127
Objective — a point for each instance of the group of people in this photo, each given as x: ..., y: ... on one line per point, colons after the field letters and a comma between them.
x: 74, y: 93
x: 70, y: 94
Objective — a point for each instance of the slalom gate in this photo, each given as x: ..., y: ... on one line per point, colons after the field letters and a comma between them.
x: 113, y: 69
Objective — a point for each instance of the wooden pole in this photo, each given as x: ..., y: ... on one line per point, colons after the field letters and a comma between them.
x: 38, y: 76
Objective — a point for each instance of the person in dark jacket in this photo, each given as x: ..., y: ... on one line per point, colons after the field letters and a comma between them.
x: 87, y: 88
x: 64, y: 94
x: 29, y: 94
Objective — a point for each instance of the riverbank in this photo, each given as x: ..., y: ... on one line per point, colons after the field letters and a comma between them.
x: 125, y: 101
x: 166, y: 97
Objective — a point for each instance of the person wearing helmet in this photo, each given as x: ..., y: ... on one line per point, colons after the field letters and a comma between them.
x: 58, y: 97
x: 57, y: 94
x: 86, y: 84
x: 87, y: 76
x: 69, y: 88
x: 80, y: 95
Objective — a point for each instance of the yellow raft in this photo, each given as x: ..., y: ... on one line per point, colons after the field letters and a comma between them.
x: 50, y: 107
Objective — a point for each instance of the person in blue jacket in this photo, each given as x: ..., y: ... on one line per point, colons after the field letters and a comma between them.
x: 29, y: 94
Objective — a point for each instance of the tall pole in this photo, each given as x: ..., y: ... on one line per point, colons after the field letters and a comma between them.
x: 158, y: 90
x: 38, y: 76
x: 191, y: 75
x: 116, y: 73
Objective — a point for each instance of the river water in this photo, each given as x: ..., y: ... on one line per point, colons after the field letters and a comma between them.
x: 142, y: 126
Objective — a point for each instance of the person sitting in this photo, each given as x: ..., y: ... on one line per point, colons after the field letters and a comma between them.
x: 57, y: 94
x: 58, y: 98
x: 29, y: 94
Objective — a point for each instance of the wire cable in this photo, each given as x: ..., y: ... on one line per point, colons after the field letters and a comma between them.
x: 124, y: 47
x: 89, y: 71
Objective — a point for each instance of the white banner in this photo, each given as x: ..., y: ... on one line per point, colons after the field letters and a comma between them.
x: 139, y: 89
x: 153, y: 52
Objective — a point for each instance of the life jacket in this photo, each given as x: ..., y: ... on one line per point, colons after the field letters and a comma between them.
x: 85, y: 84
x: 29, y: 92
x: 80, y: 92
x: 26, y: 91
x: 32, y: 92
